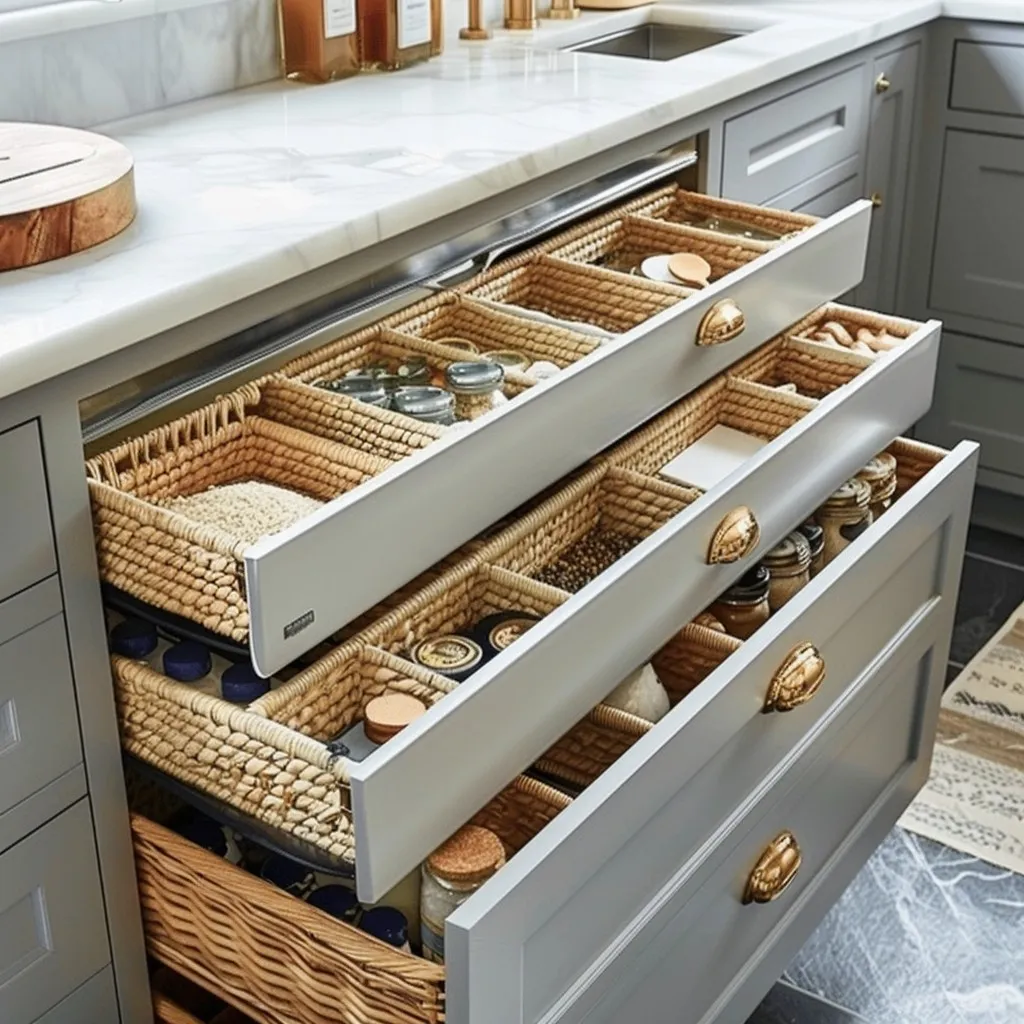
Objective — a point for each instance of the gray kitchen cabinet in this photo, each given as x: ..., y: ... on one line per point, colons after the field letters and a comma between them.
x: 978, y: 395
x: 94, y: 1002
x: 988, y: 77
x: 893, y: 106
x: 977, y: 269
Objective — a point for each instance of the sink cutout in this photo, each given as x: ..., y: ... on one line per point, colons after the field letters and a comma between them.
x: 654, y: 41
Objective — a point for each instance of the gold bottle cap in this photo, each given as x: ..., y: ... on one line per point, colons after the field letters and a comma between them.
x: 387, y: 716
x: 473, y: 854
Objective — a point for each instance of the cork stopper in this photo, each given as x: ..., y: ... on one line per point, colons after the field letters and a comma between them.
x: 473, y: 854
x: 387, y: 716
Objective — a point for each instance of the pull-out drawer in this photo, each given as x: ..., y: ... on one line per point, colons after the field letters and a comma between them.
x: 399, y: 520
x: 39, y: 738
x: 52, y: 931
x: 640, y: 882
x: 591, y: 640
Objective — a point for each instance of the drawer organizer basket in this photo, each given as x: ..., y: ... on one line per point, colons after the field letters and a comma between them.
x: 681, y: 207
x: 172, y: 994
x: 252, y: 944
x: 851, y: 325
x: 795, y: 361
x: 192, y: 568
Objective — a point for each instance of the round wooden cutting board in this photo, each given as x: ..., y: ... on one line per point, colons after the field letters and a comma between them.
x: 62, y: 190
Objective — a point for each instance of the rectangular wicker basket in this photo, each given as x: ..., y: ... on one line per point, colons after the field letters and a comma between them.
x: 186, y: 567
x: 277, y: 958
x: 851, y: 321
x: 815, y: 370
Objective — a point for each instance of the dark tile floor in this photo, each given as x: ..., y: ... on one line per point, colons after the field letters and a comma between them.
x: 924, y: 934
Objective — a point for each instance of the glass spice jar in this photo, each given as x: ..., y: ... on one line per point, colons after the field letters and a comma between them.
x: 744, y: 606
x: 880, y: 475
x: 788, y: 565
x: 816, y: 540
x: 451, y: 874
x: 319, y: 39
x: 844, y: 516
x: 476, y: 387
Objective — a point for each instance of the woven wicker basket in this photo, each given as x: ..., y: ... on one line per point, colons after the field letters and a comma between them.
x: 606, y: 499
x: 815, y: 369
x: 680, y: 206
x: 283, y: 961
x: 281, y: 774
x: 170, y: 990
x: 574, y: 293
x: 853, y: 320
x: 740, y: 404
x: 186, y: 567
x: 913, y: 460
x: 690, y: 657
x: 451, y: 315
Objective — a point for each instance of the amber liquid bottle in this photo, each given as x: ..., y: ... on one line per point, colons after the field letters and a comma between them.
x: 319, y: 39
x: 396, y: 33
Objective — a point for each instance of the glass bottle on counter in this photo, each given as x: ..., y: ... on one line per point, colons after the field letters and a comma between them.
x: 319, y: 39
x: 396, y: 33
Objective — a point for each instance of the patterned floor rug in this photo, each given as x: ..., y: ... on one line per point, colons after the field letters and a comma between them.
x: 974, y: 798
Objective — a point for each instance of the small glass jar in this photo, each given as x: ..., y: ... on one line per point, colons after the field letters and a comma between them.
x: 363, y: 387
x: 788, y: 565
x: 816, y: 541
x: 744, y: 606
x: 451, y: 874
x: 476, y: 387
x: 319, y: 40
x: 845, y: 516
x: 880, y: 475
x: 428, y: 404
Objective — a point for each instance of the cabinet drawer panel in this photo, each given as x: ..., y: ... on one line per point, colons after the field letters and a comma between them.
x: 978, y: 395
x: 773, y: 149
x: 976, y: 264
x: 988, y: 78
x: 39, y: 737
x: 95, y: 1002
x: 27, y: 553
x: 571, y: 916
x: 417, y: 511
x: 599, y: 635
x: 52, y: 931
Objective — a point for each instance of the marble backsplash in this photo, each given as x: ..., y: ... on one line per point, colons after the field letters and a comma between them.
x: 89, y: 75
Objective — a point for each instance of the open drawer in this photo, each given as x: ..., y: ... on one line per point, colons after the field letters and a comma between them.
x: 431, y: 494
x: 645, y: 889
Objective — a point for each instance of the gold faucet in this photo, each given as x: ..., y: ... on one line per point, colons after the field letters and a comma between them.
x: 521, y: 14
x: 563, y: 10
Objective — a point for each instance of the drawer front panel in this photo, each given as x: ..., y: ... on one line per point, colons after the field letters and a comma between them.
x: 27, y: 553
x: 823, y: 204
x: 561, y: 924
x: 95, y: 1002
x: 52, y: 931
x: 39, y: 737
x: 775, y: 148
x: 978, y: 395
x: 988, y: 78
x: 596, y: 638
x: 976, y: 264
x: 293, y: 577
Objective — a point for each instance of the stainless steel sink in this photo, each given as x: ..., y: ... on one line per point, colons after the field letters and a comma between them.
x: 654, y: 41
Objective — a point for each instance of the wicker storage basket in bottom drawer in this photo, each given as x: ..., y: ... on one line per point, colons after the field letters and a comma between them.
x: 285, y: 962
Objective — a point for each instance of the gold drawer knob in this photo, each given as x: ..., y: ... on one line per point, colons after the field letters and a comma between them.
x: 796, y: 680
x: 775, y: 869
x: 882, y: 84
x: 735, y: 537
x: 722, y: 322
x: 876, y: 199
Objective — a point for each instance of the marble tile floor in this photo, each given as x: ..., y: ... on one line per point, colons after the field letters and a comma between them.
x: 924, y: 934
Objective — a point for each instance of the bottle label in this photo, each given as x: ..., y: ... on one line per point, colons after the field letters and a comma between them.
x: 413, y: 23
x: 339, y: 20
x: 432, y: 939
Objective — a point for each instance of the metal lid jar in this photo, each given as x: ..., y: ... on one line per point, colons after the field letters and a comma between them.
x: 844, y: 516
x: 744, y: 606
x: 788, y: 565
x: 880, y: 475
x: 476, y: 387
x: 816, y: 540
x: 428, y: 404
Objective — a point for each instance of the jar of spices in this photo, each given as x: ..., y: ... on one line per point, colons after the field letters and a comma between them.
x: 451, y: 874
x: 845, y: 516
x: 362, y: 387
x: 476, y: 387
x: 428, y: 404
x: 744, y: 606
x: 880, y: 475
x: 788, y: 565
x: 816, y: 540
x: 496, y: 632
x: 454, y: 655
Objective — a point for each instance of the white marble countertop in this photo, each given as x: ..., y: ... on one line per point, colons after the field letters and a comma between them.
x: 244, y: 191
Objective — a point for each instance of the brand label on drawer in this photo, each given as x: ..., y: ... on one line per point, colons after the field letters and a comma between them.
x: 298, y: 625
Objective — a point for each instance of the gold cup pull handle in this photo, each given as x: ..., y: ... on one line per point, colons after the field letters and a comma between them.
x: 774, y: 870
x: 734, y: 537
x: 722, y: 322
x: 882, y: 84
x: 796, y: 680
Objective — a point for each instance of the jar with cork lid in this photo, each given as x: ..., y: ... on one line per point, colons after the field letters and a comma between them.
x: 451, y: 874
x: 844, y: 516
